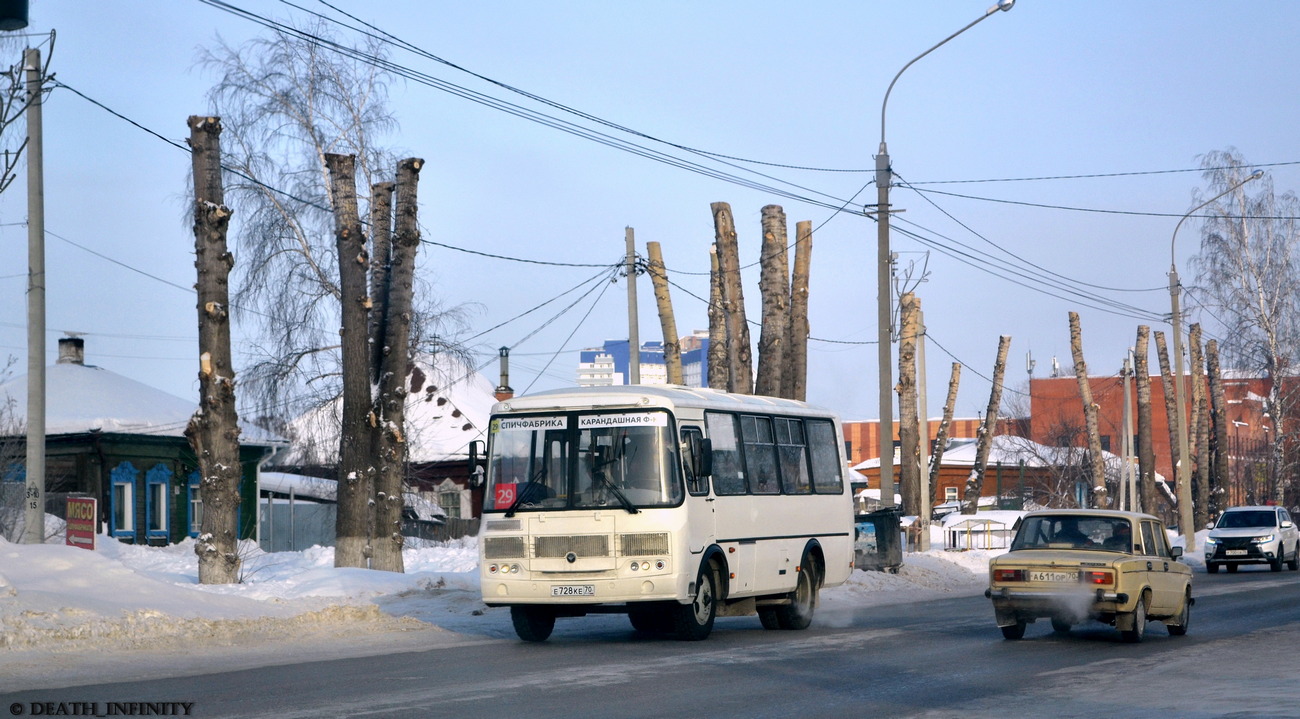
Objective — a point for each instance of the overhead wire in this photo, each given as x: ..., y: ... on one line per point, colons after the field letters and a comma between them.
x: 535, y: 116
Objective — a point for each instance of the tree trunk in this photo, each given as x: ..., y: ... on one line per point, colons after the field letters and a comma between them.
x: 941, y: 437
x: 1145, y: 448
x: 1201, y: 426
x: 909, y: 467
x: 356, y: 472
x: 774, y: 285
x: 1219, y: 445
x: 794, y: 379
x: 740, y: 358
x: 975, y: 485
x: 672, y: 344
x: 396, y: 367
x: 1097, y: 459
x: 381, y: 265
x: 1171, y: 404
x: 719, y: 351
x: 213, y: 431
x: 381, y: 260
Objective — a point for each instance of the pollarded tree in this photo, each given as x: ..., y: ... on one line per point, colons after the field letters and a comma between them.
x: 1248, y: 278
x: 289, y: 103
x: 286, y: 103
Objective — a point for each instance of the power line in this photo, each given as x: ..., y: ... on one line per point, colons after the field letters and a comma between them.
x: 1096, y: 175
x: 1018, y: 258
x: 535, y: 116
x: 1132, y: 213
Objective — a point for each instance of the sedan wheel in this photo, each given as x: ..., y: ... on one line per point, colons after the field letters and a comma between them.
x: 1177, y: 626
x: 1060, y: 626
x: 1013, y: 632
x: 1139, y: 629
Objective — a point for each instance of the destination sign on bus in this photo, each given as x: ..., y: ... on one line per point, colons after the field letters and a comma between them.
x: 625, y: 419
x: 529, y: 424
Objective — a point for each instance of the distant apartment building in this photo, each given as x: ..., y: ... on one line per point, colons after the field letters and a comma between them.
x: 611, y: 364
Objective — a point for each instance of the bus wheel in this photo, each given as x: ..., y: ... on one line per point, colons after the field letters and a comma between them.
x: 798, y: 613
x: 694, y: 621
x: 767, y: 615
x: 532, y: 624
x: 653, y: 620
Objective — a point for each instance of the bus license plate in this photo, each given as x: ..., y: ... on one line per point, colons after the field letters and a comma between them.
x: 573, y: 590
x: 1053, y: 577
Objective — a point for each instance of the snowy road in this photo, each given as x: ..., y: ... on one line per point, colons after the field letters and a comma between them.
x: 939, y: 658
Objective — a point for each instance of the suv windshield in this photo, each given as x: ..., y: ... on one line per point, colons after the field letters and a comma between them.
x: 1247, y: 518
x: 1069, y: 531
x: 622, y: 460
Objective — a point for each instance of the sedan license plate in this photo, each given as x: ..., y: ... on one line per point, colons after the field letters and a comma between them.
x: 1053, y: 576
x: 1235, y: 552
x: 573, y: 590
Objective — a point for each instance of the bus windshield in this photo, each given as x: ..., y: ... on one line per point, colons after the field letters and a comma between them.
x: 618, y: 460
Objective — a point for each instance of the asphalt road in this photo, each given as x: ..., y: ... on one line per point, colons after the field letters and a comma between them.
x: 942, y: 658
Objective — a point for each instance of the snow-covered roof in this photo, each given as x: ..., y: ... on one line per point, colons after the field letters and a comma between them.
x: 447, y: 408
x: 1011, y: 449
x: 82, y: 398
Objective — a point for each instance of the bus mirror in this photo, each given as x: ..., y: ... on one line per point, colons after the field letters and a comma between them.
x: 701, y: 450
x: 477, y: 455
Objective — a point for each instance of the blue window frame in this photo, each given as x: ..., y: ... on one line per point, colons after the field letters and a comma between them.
x: 158, y: 482
x: 121, y: 499
x: 194, y: 504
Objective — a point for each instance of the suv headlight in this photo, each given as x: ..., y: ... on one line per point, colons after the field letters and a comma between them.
x: 1263, y: 540
x: 1210, y: 540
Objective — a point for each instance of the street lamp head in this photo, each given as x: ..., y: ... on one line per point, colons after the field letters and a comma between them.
x: 1003, y: 5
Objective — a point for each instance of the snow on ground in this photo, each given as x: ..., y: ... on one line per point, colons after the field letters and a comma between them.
x: 71, y: 616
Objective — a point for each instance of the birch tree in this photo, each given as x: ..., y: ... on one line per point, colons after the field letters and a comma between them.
x: 774, y: 286
x: 1246, y: 276
x: 988, y: 428
x: 1098, y: 462
x: 213, y: 431
x: 289, y: 105
x: 794, y: 379
x: 1145, y: 446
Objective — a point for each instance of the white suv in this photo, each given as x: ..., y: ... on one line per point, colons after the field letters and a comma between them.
x: 1253, y: 535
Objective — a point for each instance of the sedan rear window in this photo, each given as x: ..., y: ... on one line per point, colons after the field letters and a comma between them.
x: 1068, y: 531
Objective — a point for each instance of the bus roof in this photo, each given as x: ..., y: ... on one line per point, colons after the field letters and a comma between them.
x: 655, y: 395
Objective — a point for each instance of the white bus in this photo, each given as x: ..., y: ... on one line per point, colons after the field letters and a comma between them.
x: 673, y: 505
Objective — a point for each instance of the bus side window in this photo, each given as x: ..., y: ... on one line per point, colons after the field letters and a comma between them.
x: 827, y: 474
x: 728, y: 470
x: 694, y: 460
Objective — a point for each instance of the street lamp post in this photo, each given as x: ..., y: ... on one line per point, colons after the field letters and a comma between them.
x: 1186, y: 517
x: 884, y: 293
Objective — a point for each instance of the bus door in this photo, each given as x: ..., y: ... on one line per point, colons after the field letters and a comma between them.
x: 700, y: 527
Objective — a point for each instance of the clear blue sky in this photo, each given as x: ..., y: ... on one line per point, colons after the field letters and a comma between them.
x: 1048, y: 89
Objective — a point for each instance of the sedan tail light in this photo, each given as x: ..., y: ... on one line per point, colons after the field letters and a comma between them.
x: 1093, y: 577
x: 1008, y: 575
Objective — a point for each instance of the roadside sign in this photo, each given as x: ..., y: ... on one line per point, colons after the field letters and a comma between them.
x: 81, y: 522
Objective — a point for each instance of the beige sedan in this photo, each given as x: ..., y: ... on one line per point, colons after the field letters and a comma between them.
x: 1077, y: 565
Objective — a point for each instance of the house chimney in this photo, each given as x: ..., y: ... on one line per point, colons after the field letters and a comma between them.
x: 503, y: 391
x: 72, y: 350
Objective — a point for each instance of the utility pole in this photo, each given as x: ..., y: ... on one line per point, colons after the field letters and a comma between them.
x: 633, y: 332
x: 34, y: 497
x: 1127, y: 494
x: 927, y: 492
